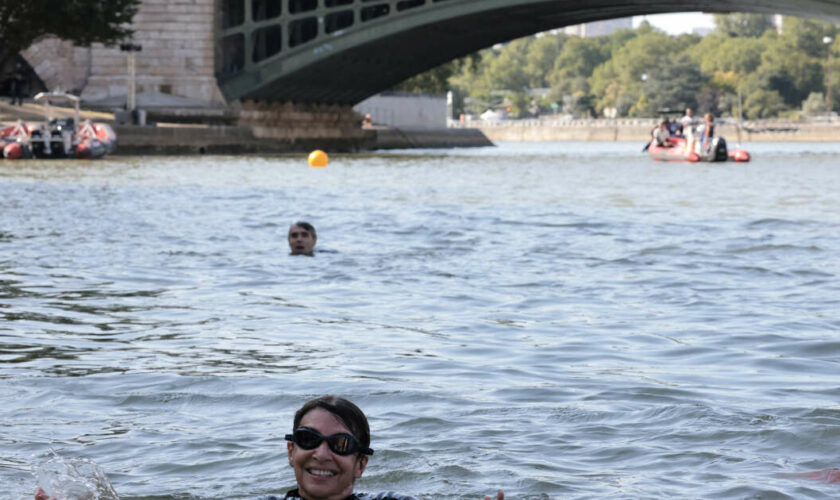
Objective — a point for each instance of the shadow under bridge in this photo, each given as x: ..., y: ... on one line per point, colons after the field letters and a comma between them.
x: 343, y: 51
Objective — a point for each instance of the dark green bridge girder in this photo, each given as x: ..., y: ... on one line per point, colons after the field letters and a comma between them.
x: 343, y: 51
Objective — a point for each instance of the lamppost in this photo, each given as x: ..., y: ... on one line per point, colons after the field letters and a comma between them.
x: 131, y: 96
x: 827, y: 41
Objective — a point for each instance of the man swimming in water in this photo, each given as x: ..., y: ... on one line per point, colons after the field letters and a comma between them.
x: 302, y: 238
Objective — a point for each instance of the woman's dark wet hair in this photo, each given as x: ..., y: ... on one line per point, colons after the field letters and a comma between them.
x: 309, y: 227
x: 349, y: 414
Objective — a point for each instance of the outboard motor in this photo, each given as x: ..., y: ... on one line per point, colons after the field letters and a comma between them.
x: 719, y: 151
x: 37, y: 143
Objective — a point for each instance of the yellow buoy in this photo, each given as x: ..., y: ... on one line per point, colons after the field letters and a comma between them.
x: 318, y: 158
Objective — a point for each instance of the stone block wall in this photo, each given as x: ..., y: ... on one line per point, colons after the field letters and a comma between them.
x: 59, y: 64
x: 288, y: 121
x: 177, y: 37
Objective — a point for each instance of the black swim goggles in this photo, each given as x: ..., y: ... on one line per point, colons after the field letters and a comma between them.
x: 341, y: 444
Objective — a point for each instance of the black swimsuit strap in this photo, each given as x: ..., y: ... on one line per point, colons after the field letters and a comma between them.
x: 295, y: 495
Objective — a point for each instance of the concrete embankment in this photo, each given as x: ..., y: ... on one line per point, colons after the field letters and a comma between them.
x: 286, y: 128
x: 281, y: 128
x: 259, y: 127
x: 639, y: 130
x: 221, y: 139
x: 404, y: 138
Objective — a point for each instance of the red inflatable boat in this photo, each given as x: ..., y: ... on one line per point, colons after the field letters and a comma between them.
x: 57, y: 137
x: 715, y: 150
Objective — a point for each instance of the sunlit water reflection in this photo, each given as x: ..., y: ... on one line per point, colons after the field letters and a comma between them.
x: 558, y: 320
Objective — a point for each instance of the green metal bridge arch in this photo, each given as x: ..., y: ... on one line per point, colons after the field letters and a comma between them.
x: 342, y: 51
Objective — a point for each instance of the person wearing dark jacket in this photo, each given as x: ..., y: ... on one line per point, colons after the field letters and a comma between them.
x: 16, y: 86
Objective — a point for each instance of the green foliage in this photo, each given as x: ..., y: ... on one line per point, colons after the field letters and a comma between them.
x: 437, y: 80
x: 519, y: 104
x: 722, y: 53
x: 80, y: 21
x: 789, y: 72
x: 574, y: 66
x: 522, y: 64
x: 508, y: 72
x: 807, y: 35
x: 814, y: 105
x: 729, y: 105
x: 743, y: 25
x: 709, y: 100
x: 466, y: 83
x: 673, y: 86
x: 763, y: 104
x: 579, y: 104
x: 621, y: 37
x: 619, y: 80
x: 772, y: 73
x: 540, y: 59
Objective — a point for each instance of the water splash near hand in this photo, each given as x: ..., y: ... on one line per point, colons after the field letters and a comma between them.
x: 74, y: 479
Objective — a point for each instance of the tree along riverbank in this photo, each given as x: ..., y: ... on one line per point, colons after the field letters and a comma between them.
x: 640, y: 130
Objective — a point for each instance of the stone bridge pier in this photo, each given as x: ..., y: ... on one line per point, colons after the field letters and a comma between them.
x: 175, y: 67
x: 292, y: 123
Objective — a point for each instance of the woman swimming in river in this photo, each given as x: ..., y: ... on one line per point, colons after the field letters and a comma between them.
x: 329, y: 449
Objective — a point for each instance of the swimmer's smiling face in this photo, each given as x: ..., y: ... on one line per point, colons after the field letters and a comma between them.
x: 301, y: 241
x: 320, y: 473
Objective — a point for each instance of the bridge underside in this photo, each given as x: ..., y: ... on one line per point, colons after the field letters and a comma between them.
x: 359, y: 70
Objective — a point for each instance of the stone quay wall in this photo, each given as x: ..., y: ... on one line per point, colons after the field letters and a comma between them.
x: 294, y: 122
x: 640, y: 129
x: 226, y: 139
x: 177, y: 57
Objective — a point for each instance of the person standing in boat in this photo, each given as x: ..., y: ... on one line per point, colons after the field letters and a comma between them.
x: 707, y: 131
x: 689, y: 124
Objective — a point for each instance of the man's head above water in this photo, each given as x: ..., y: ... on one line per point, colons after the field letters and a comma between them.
x: 302, y: 238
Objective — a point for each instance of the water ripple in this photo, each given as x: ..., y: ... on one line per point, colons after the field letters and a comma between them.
x: 561, y: 323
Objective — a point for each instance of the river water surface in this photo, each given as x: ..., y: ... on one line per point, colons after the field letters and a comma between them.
x: 558, y: 320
